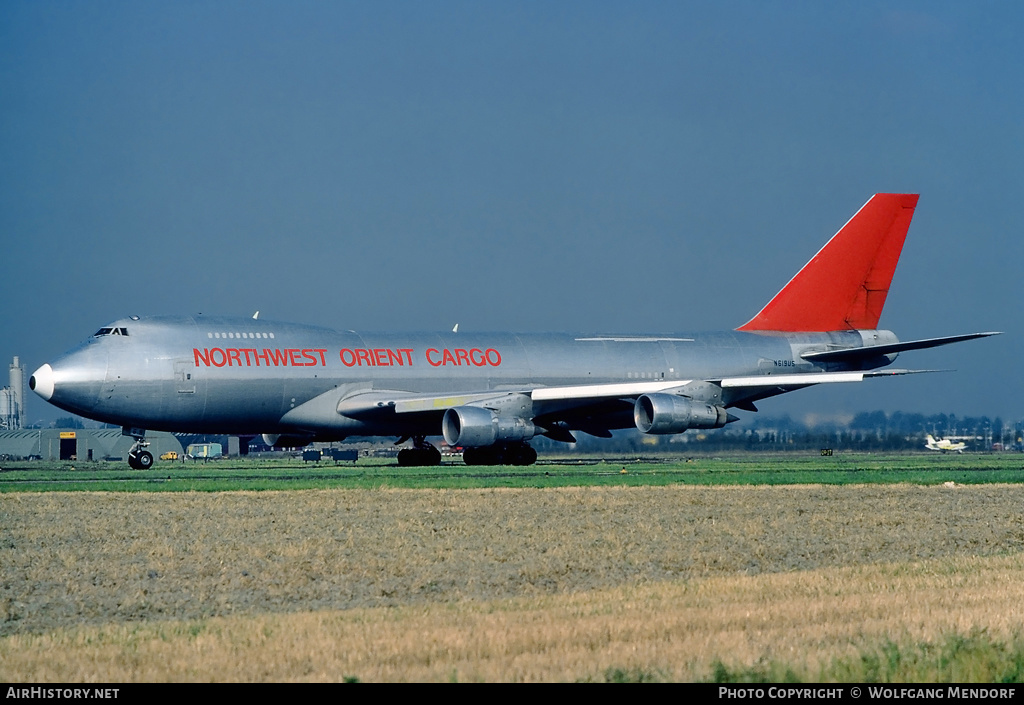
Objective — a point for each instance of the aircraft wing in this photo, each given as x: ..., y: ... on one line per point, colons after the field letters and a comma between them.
x: 591, y: 408
x: 635, y: 389
x: 400, y: 402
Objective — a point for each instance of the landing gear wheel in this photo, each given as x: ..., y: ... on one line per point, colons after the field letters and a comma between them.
x: 500, y: 454
x: 524, y: 455
x: 138, y: 457
x: 475, y: 456
x: 143, y: 460
x: 423, y: 455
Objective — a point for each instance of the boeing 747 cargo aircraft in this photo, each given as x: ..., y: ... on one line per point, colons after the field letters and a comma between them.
x: 490, y: 393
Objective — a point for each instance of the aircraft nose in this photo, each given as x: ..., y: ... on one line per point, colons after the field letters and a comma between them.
x: 41, y: 382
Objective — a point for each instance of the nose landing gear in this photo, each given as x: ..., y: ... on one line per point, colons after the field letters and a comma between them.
x: 138, y: 457
x: 140, y: 460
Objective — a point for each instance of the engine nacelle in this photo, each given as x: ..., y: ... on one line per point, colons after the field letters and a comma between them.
x: 669, y: 413
x: 474, y: 427
x: 276, y: 440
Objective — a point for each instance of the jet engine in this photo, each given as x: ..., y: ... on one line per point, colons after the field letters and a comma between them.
x: 475, y: 426
x: 279, y: 441
x: 669, y: 413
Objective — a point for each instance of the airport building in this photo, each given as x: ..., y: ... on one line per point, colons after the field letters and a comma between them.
x: 80, y: 444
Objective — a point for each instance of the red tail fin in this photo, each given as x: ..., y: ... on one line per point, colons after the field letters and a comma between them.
x: 844, y: 286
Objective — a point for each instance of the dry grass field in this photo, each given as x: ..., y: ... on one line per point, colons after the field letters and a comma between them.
x: 664, y: 583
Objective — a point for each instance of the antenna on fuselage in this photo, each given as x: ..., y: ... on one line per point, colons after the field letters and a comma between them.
x: 255, y: 315
x: 456, y: 328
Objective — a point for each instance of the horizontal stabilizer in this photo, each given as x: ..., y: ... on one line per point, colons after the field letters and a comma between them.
x: 870, y: 351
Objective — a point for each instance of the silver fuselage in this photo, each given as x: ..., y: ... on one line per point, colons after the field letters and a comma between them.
x: 243, y: 376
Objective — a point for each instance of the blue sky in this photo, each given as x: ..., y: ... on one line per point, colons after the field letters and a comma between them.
x: 582, y: 167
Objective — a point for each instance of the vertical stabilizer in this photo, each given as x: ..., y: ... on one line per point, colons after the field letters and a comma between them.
x: 844, y: 286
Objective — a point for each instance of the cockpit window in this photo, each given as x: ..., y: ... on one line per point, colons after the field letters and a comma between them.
x: 110, y: 331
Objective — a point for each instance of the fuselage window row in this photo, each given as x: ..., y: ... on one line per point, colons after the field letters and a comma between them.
x: 238, y: 335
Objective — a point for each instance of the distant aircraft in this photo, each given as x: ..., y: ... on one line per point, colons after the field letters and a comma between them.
x: 944, y: 445
x: 491, y: 393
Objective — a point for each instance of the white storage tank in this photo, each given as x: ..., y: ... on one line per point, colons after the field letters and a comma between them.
x: 17, y: 390
x: 7, y: 409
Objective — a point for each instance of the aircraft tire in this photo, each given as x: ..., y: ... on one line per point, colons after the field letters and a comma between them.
x: 513, y: 454
x: 478, y: 456
x: 143, y: 460
x: 525, y: 455
x: 419, y: 457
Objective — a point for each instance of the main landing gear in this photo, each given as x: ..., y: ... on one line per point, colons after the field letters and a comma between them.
x: 500, y: 454
x: 421, y: 454
x: 138, y: 457
x: 424, y: 454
